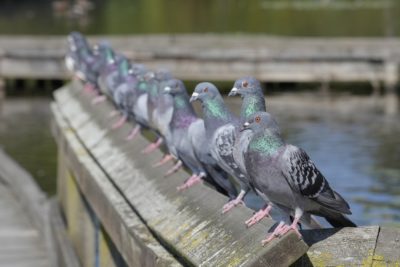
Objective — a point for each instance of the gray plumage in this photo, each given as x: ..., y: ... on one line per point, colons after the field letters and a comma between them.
x: 287, y: 177
x: 189, y: 132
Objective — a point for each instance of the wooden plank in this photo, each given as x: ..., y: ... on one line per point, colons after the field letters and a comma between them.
x: 213, y: 57
x: 127, y: 231
x: 191, y: 223
x: 387, y: 251
x: 340, y: 247
x: 66, y: 254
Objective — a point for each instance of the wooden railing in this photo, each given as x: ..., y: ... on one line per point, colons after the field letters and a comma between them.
x: 119, y: 211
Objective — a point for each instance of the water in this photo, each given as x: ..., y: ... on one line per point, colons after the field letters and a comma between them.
x: 359, y: 155
x: 274, y: 17
x: 25, y: 135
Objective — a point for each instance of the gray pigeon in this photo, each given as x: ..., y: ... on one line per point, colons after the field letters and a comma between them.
x: 250, y: 91
x: 288, y: 178
x: 124, y: 95
x: 188, y: 133
x: 222, y: 129
x: 157, y: 100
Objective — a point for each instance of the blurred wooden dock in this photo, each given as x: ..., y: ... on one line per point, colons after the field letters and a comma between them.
x: 21, y: 244
x: 226, y: 57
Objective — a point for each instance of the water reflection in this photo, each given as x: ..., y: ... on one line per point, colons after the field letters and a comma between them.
x: 287, y: 17
x: 25, y: 135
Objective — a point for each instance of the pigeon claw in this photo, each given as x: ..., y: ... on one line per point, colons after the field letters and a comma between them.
x: 133, y: 133
x: 281, y: 230
x: 153, y: 146
x: 194, y: 179
x: 258, y: 216
x: 174, y: 169
x: 99, y: 99
x: 119, y: 123
x: 231, y: 204
x: 164, y: 160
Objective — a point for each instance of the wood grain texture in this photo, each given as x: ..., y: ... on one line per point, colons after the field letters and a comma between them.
x: 190, y: 223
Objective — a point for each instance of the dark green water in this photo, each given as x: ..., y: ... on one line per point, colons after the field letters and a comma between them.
x: 287, y: 17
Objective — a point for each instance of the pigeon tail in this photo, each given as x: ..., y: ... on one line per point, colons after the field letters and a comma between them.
x: 333, y: 201
x: 339, y: 220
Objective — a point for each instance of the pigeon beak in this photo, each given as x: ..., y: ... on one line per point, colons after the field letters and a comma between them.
x: 245, y: 126
x: 233, y: 92
x: 166, y: 90
x: 194, y: 97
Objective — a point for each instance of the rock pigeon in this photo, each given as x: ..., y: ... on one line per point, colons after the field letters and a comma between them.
x: 190, y: 144
x: 250, y: 91
x: 124, y: 95
x: 154, y: 102
x: 110, y: 76
x: 222, y: 129
x: 288, y: 178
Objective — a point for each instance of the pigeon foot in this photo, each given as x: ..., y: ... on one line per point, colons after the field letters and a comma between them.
x: 233, y: 203
x: 174, y: 169
x: 113, y: 113
x: 99, y: 99
x: 133, y: 133
x: 258, y: 216
x: 194, y: 179
x: 164, y: 160
x: 281, y: 230
x: 120, y: 122
x: 153, y: 146
x: 89, y: 88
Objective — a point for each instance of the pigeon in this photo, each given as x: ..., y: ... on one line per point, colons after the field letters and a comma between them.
x: 222, y: 129
x: 124, y: 95
x: 288, y: 178
x: 250, y: 91
x: 110, y: 76
x: 79, y: 56
x: 189, y: 142
x: 154, y: 96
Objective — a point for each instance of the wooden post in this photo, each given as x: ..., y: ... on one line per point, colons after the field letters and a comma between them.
x: 391, y: 83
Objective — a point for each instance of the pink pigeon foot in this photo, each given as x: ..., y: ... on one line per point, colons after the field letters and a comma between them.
x: 194, y: 179
x: 153, y: 146
x: 113, y: 114
x: 99, y: 99
x: 233, y: 203
x: 120, y: 122
x: 89, y: 88
x: 258, y: 216
x: 283, y: 229
x: 174, y: 169
x: 133, y: 133
x: 164, y: 160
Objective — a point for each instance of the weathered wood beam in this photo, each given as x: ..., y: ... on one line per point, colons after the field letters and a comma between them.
x: 189, y: 224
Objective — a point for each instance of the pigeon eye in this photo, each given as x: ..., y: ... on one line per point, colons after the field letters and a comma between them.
x: 245, y: 84
x: 205, y: 90
x: 257, y: 119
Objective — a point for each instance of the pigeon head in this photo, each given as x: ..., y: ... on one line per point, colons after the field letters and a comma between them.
x: 174, y: 87
x: 76, y: 40
x: 100, y: 48
x: 245, y: 86
x: 149, y: 75
x: 163, y: 75
x: 204, y: 91
x: 137, y: 69
x: 110, y: 55
x: 261, y: 121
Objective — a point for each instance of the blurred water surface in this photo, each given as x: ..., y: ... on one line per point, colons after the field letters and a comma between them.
x: 359, y: 155
x: 275, y: 17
